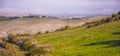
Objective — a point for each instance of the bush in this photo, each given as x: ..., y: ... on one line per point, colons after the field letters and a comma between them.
x: 25, y: 34
x: 38, y: 33
x: 11, y: 50
x: 19, y: 40
x: 47, y: 32
x: 92, y: 25
x: 4, y: 39
x: 8, y: 52
x: 27, y: 45
x: 37, y: 52
x: 108, y: 19
x: 11, y: 38
x: 62, y: 29
x: 58, y: 30
x: 67, y: 27
x: 103, y: 21
x: 114, y: 15
x: 14, y: 44
x: 89, y: 26
x: 95, y: 23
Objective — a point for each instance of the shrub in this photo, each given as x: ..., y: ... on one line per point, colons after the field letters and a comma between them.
x: 17, y: 40
x: 3, y: 39
x: 37, y: 52
x: 89, y: 26
x: 62, y: 29
x: 38, y: 33
x: 11, y: 35
x: 95, y: 23
x: 4, y: 44
x: 11, y: 50
x: 47, y: 32
x: 92, y: 25
x: 114, y: 15
x: 27, y: 45
x: 58, y: 29
x: 20, y: 40
x: 87, y: 23
x: 67, y: 27
x: 103, y: 21
x: 11, y: 38
x: 25, y: 34
x: 3, y: 53
x: 108, y: 19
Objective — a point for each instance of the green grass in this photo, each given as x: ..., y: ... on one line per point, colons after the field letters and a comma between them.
x: 103, y: 40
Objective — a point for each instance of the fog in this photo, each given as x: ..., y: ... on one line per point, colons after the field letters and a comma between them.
x: 61, y: 7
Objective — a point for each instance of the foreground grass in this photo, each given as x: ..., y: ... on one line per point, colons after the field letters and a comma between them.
x: 103, y: 40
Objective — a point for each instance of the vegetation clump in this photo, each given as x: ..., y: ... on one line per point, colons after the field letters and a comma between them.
x: 10, y: 50
x: 114, y: 17
x: 14, y: 45
x: 47, y: 32
x: 27, y: 45
x: 64, y: 28
x: 38, y: 33
x: 67, y: 27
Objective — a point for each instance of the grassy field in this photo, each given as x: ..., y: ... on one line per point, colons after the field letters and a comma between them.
x: 102, y: 40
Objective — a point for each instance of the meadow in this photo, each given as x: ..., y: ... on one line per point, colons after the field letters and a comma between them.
x: 102, y: 40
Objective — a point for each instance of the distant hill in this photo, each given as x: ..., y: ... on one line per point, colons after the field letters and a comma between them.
x: 34, y: 25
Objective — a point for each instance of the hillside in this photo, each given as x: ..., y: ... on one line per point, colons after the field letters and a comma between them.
x: 96, y: 37
x: 102, y: 40
x: 35, y: 25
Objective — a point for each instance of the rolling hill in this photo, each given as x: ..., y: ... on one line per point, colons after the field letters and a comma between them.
x: 97, y: 37
x: 35, y: 25
x: 102, y: 40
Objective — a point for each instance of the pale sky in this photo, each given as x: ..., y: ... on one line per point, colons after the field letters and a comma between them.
x: 60, y: 7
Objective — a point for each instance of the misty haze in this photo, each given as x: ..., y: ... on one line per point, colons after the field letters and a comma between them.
x: 60, y: 7
x: 59, y: 27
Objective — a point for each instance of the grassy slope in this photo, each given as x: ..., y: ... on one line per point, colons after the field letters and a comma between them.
x: 103, y: 40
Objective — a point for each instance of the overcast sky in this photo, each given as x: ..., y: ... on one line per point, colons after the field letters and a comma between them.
x: 58, y: 7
